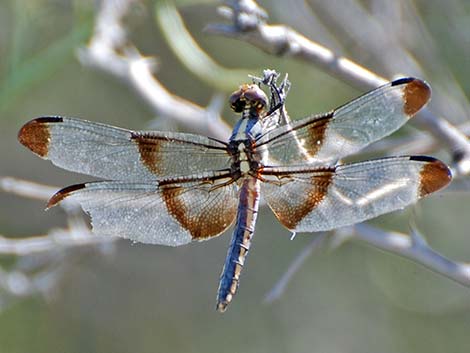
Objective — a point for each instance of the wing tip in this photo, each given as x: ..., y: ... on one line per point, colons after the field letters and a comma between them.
x: 434, y: 175
x: 35, y: 134
x: 62, y: 194
x: 416, y: 93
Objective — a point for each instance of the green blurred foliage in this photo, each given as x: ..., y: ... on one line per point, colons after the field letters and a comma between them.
x: 156, y: 299
x: 30, y: 61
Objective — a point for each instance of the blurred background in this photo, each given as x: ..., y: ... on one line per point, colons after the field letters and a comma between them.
x: 124, y: 297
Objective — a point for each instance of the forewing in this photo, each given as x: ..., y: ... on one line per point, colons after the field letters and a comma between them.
x: 324, y: 199
x: 324, y: 139
x: 172, y: 214
x: 113, y: 153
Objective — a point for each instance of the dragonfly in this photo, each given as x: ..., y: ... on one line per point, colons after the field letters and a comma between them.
x: 173, y: 188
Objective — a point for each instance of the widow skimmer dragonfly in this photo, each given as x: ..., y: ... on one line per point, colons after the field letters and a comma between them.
x: 172, y: 188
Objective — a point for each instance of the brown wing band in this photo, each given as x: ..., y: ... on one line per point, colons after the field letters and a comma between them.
x: 291, y: 209
x: 205, y: 223
x: 148, y: 149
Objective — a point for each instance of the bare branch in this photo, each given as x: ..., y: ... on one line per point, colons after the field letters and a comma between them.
x: 78, y: 233
x: 110, y: 52
x: 412, y: 247
x: 278, y: 290
x: 415, y: 250
x: 20, y: 284
x: 26, y: 188
x: 55, y: 240
x: 42, y: 277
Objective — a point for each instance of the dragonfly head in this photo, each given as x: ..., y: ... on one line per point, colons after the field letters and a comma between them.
x: 249, y: 98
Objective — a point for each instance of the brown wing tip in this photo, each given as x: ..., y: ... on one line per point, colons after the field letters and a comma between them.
x: 434, y: 175
x: 62, y: 194
x: 416, y: 93
x: 35, y: 135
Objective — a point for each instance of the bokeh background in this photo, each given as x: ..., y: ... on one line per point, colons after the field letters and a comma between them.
x: 136, y: 298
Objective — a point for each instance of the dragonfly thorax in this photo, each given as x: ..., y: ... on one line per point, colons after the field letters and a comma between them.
x: 251, y: 101
x: 243, y: 157
x: 246, y: 159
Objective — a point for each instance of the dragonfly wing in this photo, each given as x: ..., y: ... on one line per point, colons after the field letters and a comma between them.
x: 324, y: 139
x: 113, y: 153
x: 324, y: 199
x: 171, y: 213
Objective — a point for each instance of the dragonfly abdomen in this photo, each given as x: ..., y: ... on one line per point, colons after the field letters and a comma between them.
x: 240, y: 243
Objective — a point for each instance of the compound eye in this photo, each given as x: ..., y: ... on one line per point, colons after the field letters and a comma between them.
x: 237, y: 101
x: 256, y: 97
x: 248, y: 96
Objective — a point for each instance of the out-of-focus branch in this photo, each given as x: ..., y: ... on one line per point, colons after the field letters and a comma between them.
x: 415, y: 248
x: 77, y: 234
x: 55, y: 240
x: 109, y: 51
x: 280, y: 40
x: 283, y: 41
x: 25, y: 188
x: 41, y: 278
x: 277, y: 291
x: 412, y: 247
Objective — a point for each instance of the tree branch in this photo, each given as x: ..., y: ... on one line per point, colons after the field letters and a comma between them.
x: 415, y: 248
x: 109, y: 51
x: 41, y: 277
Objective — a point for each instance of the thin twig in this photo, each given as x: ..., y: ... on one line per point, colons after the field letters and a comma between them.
x: 42, y: 277
x: 78, y: 233
x: 412, y: 247
x: 278, y: 290
x: 415, y: 248
x: 55, y: 240
x: 25, y: 188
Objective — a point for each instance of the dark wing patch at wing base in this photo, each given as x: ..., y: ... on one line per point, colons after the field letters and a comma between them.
x: 292, y: 202
x: 212, y: 219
